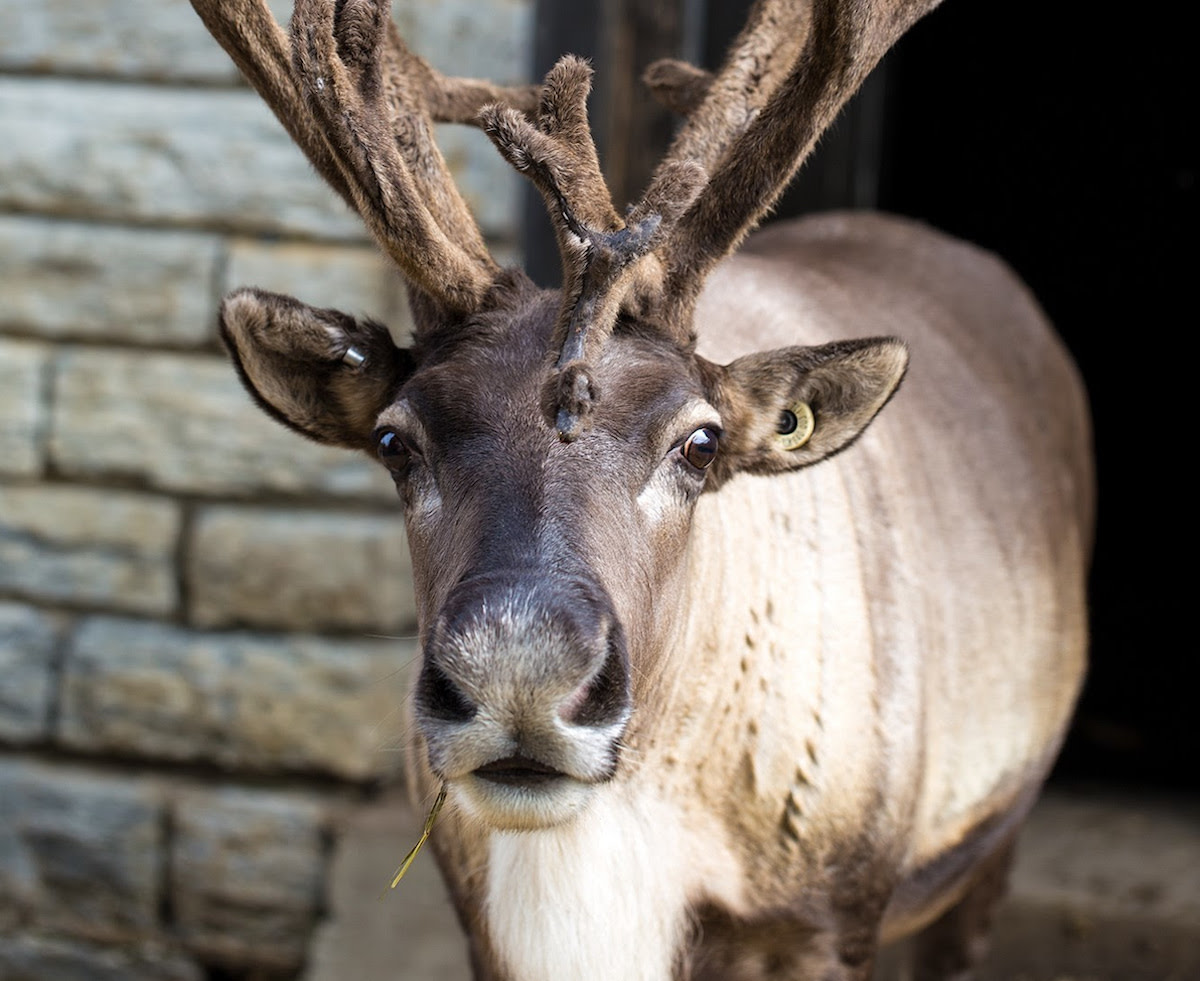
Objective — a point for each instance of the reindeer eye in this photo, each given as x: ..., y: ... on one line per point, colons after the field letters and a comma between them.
x: 393, y: 452
x: 700, y: 449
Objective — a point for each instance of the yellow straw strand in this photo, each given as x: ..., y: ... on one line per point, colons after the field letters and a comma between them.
x: 412, y: 852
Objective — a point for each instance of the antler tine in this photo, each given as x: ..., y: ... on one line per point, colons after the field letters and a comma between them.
x: 599, y: 250
x: 678, y: 85
x: 557, y: 154
x: 263, y: 54
x: 411, y: 81
x: 720, y: 107
x: 361, y: 106
x: 787, y: 77
x: 396, y: 175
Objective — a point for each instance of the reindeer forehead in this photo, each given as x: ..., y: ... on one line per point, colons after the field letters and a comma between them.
x: 646, y: 383
x: 496, y: 389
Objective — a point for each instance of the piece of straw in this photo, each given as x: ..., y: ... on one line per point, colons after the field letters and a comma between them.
x: 412, y: 852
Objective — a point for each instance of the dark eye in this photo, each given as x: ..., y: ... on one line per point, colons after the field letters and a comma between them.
x: 700, y: 449
x: 393, y: 452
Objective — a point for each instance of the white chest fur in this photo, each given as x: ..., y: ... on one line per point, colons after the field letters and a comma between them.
x: 601, y: 898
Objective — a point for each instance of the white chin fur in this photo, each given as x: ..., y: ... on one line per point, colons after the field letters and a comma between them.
x: 506, y: 808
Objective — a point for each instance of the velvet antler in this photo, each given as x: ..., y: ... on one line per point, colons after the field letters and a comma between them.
x: 600, y: 250
x: 361, y: 107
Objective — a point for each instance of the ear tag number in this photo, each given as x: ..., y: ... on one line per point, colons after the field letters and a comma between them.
x: 796, y: 425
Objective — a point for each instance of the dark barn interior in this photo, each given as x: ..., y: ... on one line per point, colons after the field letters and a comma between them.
x: 1064, y: 144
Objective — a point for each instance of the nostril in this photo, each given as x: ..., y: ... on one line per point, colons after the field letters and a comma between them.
x: 605, y: 699
x: 440, y: 697
x: 569, y: 710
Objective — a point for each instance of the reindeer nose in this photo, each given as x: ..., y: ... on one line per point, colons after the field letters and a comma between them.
x: 528, y: 652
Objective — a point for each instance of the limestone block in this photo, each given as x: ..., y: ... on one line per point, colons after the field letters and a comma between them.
x: 35, y: 958
x: 481, y: 38
x: 86, y: 545
x: 66, y: 279
x: 247, y: 871
x: 238, y: 700
x: 150, y: 40
x: 23, y: 410
x: 356, y: 279
x: 299, y: 570
x: 210, y: 157
x: 201, y: 157
x: 182, y: 422
x: 79, y: 852
x: 27, y: 640
x: 125, y: 38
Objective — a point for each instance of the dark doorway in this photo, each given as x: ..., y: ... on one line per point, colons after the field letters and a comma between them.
x: 1067, y: 146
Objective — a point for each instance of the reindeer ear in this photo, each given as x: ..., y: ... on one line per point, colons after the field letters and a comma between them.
x: 791, y: 407
x: 321, y: 372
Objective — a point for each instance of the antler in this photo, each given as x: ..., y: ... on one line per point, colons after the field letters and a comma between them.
x: 599, y: 250
x: 752, y: 125
x: 361, y: 107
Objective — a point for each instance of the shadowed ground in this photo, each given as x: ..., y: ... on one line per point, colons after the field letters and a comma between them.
x: 1107, y: 888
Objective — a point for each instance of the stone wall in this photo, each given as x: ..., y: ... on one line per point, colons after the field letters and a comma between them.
x: 205, y: 621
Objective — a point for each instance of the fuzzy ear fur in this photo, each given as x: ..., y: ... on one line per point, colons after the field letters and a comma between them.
x: 844, y: 383
x: 290, y: 358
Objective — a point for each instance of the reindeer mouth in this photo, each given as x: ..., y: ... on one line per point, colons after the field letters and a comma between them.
x: 519, y: 771
x: 521, y: 793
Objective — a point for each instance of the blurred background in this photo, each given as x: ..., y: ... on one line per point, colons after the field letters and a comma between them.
x: 206, y: 623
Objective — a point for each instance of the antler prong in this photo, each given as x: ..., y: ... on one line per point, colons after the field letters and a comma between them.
x: 556, y: 150
x: 598, y: 248
x: 338, y: 60
x: 361, y: 106
x: 792, y: 68
x: 678, y: 85
x: 261, y: 50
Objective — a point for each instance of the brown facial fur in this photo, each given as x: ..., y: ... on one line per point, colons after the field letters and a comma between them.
x: 479, y: 402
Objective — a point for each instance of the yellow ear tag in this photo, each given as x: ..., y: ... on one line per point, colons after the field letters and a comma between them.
x: 796, y: 425
x: 412, y: 852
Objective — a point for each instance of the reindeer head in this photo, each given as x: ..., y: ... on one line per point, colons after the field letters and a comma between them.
x: 549, y: 447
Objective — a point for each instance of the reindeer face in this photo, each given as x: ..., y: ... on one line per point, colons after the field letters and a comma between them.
x: 550, y: 572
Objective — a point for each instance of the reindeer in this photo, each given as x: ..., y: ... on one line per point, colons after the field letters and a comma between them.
x: 702, y: 708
